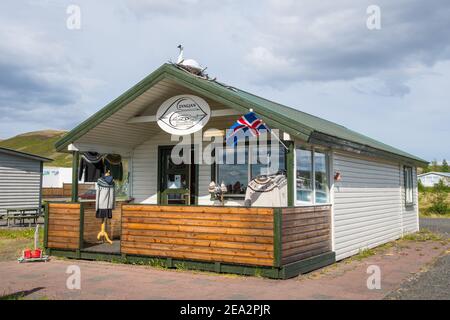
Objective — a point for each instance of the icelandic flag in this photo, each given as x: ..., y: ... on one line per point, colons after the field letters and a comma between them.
x: 249, y: 122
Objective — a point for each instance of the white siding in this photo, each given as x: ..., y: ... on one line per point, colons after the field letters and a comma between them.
x: 20, y: 182
x: 367, y: 203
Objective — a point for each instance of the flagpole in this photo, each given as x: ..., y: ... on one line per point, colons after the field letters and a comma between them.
x: 279, y: 139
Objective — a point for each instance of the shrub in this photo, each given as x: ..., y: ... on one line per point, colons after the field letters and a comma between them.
x: 439, y: 204
x: 420, y: 186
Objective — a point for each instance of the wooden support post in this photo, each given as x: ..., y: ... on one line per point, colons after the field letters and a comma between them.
x: 290, y: 173
x: 277, y: 236
x: 46, y: 207
x: 75, y: 164
x: 81, y: 236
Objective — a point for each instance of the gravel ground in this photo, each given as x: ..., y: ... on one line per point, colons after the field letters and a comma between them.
x: 434, y: 282
x: 436, y: 225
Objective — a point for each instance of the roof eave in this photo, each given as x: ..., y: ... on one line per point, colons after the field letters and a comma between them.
x: 115, y: 105
x: 25, y: 155
x: 355, y: 147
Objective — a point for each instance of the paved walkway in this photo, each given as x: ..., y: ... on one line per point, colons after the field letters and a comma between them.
x: 345, y: 280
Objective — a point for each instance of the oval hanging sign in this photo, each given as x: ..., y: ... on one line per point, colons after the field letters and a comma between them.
x: 184, y: 114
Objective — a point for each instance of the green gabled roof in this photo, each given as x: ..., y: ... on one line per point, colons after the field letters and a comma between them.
x: 299, y: 124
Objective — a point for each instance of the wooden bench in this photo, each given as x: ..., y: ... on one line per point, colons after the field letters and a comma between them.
x: 23, y: 214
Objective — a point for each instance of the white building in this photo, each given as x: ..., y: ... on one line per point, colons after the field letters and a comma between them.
x: 429, y: 179
x: 20, y: 180
x: 55, y: 177
x: 346, y: 192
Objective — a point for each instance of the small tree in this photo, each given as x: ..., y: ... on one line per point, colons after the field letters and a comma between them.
x: 434, y: 165
x: 444, y: 166
x: 439, y: 204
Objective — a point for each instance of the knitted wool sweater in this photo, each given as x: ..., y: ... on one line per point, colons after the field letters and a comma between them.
x: 105, y: 193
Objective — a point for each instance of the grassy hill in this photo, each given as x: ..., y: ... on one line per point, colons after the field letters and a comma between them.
x: 41, y: 143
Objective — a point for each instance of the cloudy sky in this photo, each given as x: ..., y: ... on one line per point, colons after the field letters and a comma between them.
x: 392, y: 84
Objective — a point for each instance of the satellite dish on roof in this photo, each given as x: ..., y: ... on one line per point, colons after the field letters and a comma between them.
x: 189, y: 64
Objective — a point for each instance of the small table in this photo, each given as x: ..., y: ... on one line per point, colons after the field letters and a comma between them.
x: 21, y: 214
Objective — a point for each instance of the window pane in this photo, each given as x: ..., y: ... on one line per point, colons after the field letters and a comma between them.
x: 268, y: 166
x: 408, y: 185
x: 321, y: 177
x: 233, y: 173
x: 303, y: 175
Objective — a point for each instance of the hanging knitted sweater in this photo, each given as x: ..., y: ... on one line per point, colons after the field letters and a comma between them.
x: 105, y: 197
x: 91, y: 167
x: 113, y: 163
x: 267, y: 191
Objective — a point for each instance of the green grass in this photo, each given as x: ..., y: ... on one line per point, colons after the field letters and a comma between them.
x: 41, y: 143
x: 14, y: 241
x: 434, y: 215
x: 26, y: 233
x: 423, y: 235
x: 425, y: 201
x: 364, y: 253
x: 15, y: 296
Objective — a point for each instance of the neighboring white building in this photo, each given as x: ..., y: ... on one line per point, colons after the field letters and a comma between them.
x: 20, y: 180
x: 429, y: 179
x: 54, y: 177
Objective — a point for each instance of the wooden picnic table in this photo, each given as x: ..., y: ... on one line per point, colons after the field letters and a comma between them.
x: 23, y: 213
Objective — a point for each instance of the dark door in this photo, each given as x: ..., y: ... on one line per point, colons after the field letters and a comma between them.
x: 176, y: 180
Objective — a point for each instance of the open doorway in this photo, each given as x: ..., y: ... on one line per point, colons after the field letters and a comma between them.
x: 177, y: 183
x: 113, y: 226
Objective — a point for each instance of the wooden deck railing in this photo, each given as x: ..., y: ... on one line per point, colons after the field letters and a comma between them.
x: 221, y: 234
x: 63, y: 225
x: 267, y: 237
x: 306, y: 232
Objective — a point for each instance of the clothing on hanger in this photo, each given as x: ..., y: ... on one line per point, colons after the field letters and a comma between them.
x: 91, y: 167
x: 105, y: 201
x: 267, y: 191
x: 113, y: 163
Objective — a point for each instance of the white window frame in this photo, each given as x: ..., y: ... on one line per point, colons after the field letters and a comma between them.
x: 299, y: 203
x: 408, y: 185
x: 249, y: 169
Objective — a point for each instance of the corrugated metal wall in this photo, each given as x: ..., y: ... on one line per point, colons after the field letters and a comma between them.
x: 368, y: 204
x: 20, y: 182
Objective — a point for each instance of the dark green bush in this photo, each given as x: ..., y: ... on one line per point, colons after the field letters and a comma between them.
x: 439, y: 204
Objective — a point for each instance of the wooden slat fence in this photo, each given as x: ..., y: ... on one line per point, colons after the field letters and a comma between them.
x: 306, y: 232
x: 221, y: 234
x: 63, y: 225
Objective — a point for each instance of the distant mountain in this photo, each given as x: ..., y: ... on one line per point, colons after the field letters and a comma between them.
x: 41, y: 143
